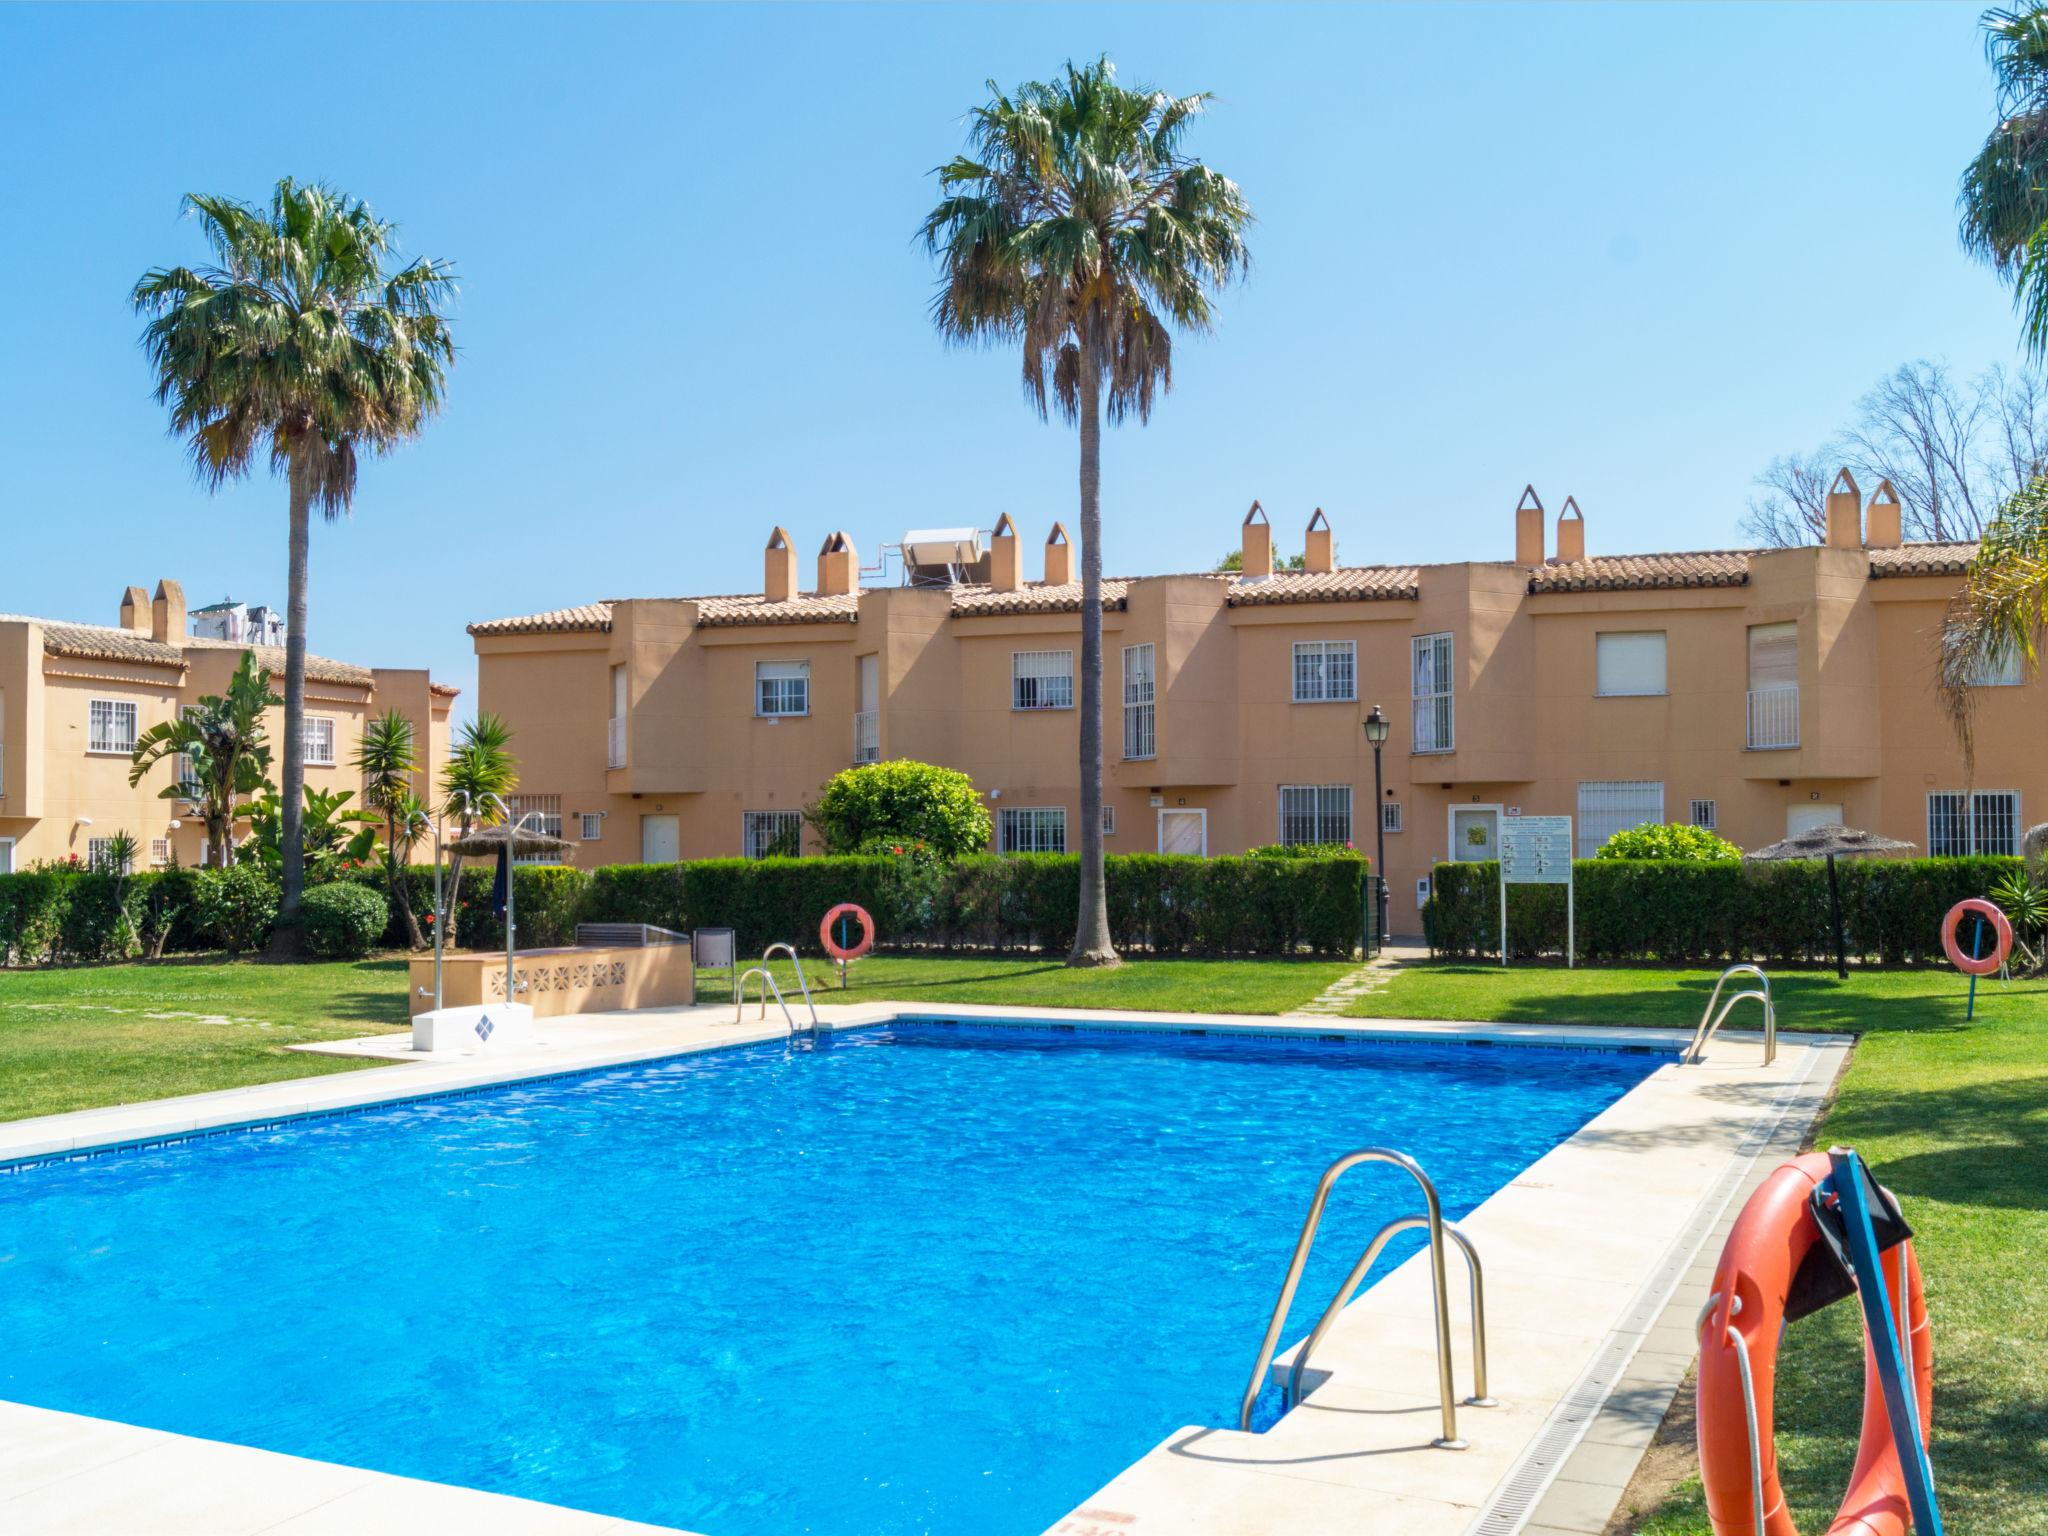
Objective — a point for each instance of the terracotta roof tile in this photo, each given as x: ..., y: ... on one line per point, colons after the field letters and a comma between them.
x: 1951, y: 558
x: 1346, y: 584
x: 717, y: 612
x: 98, y: 642
x: 1036, y: 597
x: 1606, y: 573
x: 556, y: 621
x: 321, y: 669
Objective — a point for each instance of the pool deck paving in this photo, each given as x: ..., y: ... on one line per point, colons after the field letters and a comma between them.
x: 1595, y: 1258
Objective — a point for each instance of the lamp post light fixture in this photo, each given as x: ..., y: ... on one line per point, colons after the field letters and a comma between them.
x: 1377, y: 729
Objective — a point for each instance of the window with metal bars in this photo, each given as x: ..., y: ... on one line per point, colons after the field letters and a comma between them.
x: 1614, y: 805
x: 1960, y: 824
x: 1141, y: 736
x: 1434, y: 718
x: 782, y: 688
x: 1390, y: 815
x: 1042, y: 680
x: 1032, y: 829
x: 1325, y: 671
x: 771, y: 834
x: 1315, y: 813
x: 536, y: 813
x: 319, y: 740
x: 110, y: 726
x: 1703, y: 814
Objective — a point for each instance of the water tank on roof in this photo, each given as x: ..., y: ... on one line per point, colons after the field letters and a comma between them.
x: 943, y: 557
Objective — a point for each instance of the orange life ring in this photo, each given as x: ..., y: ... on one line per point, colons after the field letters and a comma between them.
x: 1772, y: 1236
x: 867, y: 932
x: 1979, y: 965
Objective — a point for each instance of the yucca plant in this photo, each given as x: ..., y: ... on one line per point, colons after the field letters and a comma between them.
x: 2024, y: 901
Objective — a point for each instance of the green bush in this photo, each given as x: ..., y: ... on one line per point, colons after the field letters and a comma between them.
x: 96, y: 926
x: 886, y: 808
x: 343, y: 921
x: 234, y: 908
x: 1303, y: 851
x: 1668, y: 840
x: 1686, y: 911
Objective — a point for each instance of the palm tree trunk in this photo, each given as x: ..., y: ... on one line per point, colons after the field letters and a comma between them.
x: 291, y: 827
x: 1092, y: 945
x: 398, y: 881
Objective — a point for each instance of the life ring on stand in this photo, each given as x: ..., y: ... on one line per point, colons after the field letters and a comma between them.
x: 833, y: 947
x: 1739, y: 1333
x: 1987, y: 912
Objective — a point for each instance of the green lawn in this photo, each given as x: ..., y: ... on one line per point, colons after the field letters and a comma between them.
x: 72, y: 1039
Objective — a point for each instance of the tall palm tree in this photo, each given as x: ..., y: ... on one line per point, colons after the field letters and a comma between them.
x: 225, y: 755
x: 1076, y: 227
x: 480, y: 767
x: 304, y: 337
x: 2003, y: 200
x: 388, y: 757
x: 2000, y: 610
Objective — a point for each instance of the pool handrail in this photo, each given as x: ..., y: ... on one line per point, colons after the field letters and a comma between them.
x: 739, y: 997
x: 1433, y: 1219
x: 1474, y: 1273
x: 1710, y: 1021
x: 790, y: 950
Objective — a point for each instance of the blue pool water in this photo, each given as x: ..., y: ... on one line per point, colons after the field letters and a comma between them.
x: 923, y: 1279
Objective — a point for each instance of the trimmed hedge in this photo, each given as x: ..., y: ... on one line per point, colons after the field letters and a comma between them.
x: 1672, y: 910
x: 343, y: 920
x: 75, y: 917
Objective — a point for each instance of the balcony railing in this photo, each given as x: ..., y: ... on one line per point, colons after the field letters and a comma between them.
x: 867, y: 736
x: 1774, y: 717
x: 615, y: 744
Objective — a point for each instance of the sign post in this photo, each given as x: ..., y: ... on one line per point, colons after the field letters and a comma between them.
x: 1537, y: 850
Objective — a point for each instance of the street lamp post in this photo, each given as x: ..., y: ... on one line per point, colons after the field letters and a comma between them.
x: 1377, y: 729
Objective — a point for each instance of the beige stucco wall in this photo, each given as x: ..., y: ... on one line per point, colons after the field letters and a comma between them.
x: 1529, y: 725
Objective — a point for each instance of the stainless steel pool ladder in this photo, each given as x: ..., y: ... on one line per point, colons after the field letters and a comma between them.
x: 1432, y: 1219
x: 739, y: 997
x: 1710, y: 1021
x: 790, y: 950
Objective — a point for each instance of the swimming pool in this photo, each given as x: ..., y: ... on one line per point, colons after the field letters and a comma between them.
x: 926, y: 1278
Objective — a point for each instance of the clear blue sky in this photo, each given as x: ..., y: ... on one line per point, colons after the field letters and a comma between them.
x: 1630, y: 253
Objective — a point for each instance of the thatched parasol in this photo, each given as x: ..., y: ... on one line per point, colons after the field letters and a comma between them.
x: 488, y: 842
x: 1830, y: 842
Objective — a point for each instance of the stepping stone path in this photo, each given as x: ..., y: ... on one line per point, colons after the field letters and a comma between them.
x: 1352, y: 985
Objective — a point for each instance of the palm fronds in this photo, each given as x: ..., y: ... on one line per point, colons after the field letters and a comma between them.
x: 1996, y: 617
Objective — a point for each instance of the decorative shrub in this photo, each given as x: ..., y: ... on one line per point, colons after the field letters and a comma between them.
x: 95, y: 925
x: 234, y: 908
x: 879, y: 805
x: 1303, y: 851
x: 1668, y: 840
x: 343, y: 921
x: 1681, y: 911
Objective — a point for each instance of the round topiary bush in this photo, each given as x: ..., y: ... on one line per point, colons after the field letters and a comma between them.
x: 879, y: 807
x: 1668, y: 840
x: 343, y: 921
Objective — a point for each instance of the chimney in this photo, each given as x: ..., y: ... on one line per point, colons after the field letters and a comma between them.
x: 167, y: 612
x: 1845, y: 513
x: 1529, y: 528
x: 1571, y: 533
x: 1059, y: 557
x: 1321, y: 553
x: 135, y: 615
x: 778, y: 584
x: 1881, y: 519
x: 1005, y: 568
x: 1258, y: 543
x: 838, y: 567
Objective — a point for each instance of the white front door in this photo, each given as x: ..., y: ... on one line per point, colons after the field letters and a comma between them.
x: 1184, y: 832
x: 1804, y: 818
x: 1475, y: 833
x: 660, y: 840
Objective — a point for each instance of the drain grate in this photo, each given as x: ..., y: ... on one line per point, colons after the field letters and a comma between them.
x: 1537, y: 1468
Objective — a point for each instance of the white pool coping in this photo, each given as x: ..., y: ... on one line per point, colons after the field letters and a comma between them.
x: 1574, y: 1326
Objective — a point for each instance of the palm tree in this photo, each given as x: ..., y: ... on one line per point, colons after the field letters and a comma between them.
x: 1998, y: 614
x: 2004, y: 195
x: 1076, y: 227
x: 301, y: 337
x: 388, y: 758
x: 225, y: 755
x: 481, y: 767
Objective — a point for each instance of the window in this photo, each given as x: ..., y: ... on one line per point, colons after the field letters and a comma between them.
x: 190, y: 786
x: 1629, y: 664
x: 99, y: 855
x: 1141, y: 735
x: 319, y: 741
x: 1987, y: 822
x: 112, y: 726
x: 772, y: 834
x: 1390, y: 815
x: 1614, y: 805
x: 782, y: 688
x: 1032, y: 829
x: 1433, y: 718
x: 1773, y: 686
x: 1042, y: 680
x: 1109, y: 821
x: 615, y: 725
x: 1315, y: 813
x: 2004, y: 668
x: 1325, y: 671
x: 590, y: 825
x: 1703, y: 814
x: 159, y: 851
x: 536, y: 813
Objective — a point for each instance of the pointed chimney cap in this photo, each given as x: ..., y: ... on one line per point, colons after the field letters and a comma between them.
x: 1318, y: 521
x: 1256, y: 515
x: 1004, y: 528
x: 778, y: 537
x: 1843, y: 481
x: 1571, y: 509
x: 1529, y: 500
x: 1058, y: 534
